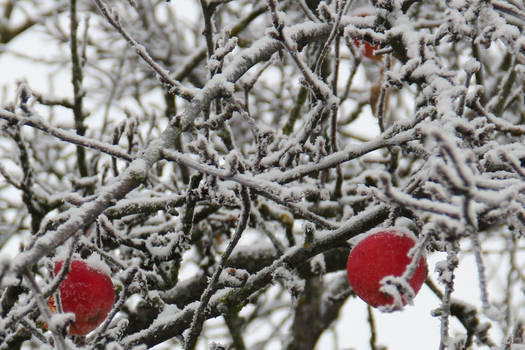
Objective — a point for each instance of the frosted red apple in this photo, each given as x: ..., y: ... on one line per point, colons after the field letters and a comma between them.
x: 368, y: 49
x: 88, y: 293
x: 382, y: 254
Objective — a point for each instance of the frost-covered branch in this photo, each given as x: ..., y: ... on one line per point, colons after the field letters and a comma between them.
x: 263, y: 187
x: 198, y: 316
x: 36, y: 121
x: 174, y: 86
x: 238, y: 297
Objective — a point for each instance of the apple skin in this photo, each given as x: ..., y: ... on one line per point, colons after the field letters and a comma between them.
x: 379, y: 255
x: 88, y: 293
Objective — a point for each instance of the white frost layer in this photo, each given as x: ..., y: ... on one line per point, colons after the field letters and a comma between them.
x: 398, y: 231
x: 96, y: 263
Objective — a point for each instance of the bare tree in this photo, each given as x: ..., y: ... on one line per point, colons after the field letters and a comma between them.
x: 219, y: 167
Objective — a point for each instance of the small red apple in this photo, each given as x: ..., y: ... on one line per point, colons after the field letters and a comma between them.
x: 88, y: 292
x: 368, y: 49
x: 378, y: 255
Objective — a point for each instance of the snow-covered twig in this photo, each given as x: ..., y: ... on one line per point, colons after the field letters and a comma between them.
x: 37, y: 122
x: 260, y: 186
x: 176, y: 324
x: 198, y: 316
x: 174, y: 86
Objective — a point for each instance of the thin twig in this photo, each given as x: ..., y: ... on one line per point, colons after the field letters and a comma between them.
x: 258, y: 185
x: 78, y: 94
x: 198, y: 316
x: 175, y: 87
x: 321, y: 89
x: 44, y: 310
x: 372, y: 323
x: 36, y: 121
x: 446, y: 298
x: 343, y: 6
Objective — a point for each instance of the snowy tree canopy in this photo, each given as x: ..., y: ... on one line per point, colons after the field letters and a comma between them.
x: 218, y: 159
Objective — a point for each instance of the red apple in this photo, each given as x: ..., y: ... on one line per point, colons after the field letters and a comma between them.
x: 368, y: 49
x: 378, y: 255
x: 87, y: 291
